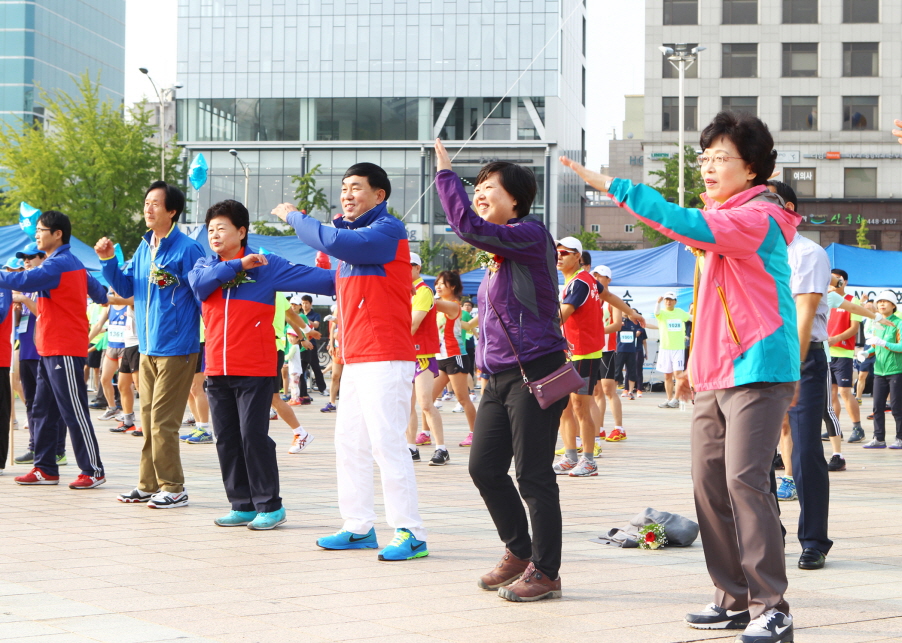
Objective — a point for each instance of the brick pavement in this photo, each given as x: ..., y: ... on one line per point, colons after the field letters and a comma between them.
x: 77, y: 566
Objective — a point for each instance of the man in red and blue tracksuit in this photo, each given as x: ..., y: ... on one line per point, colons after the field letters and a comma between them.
x: 238, y: 289
x: 373, y: 284
x: 61, y: 337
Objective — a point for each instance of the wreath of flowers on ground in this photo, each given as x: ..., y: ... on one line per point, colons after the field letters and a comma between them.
x: 162, y: 278
x: 240, y: 278
x: 489, y: 260
x: 652, y: 536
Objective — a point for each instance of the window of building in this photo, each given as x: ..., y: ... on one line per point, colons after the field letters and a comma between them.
x: 584, y: 86
x: 800, y: 11
x: 802, y: 179
x: 859, y: 112
x: 740, y: 60
x: 584, y: 36
x: 860, y: 182
x: 671, y: 72
x: 628, y: 228
x: 860, y: 58
x: 800, y: 112
x: 799, y: 59
x: 740, y: 12
x: 594, y: 228
x: 861, y: 11
x: 670, y: 121
x: 680, y: 12
x: 745, y: 104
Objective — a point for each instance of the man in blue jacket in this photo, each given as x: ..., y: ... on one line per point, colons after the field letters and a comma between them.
x: 167, y: 317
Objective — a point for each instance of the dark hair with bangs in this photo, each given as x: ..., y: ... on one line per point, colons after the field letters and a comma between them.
x: 750, y: 136
x: 452, y: 281
x: 375, y: 176
x: 516, y: 180
x: 234, y: 212
x: 785, y: 192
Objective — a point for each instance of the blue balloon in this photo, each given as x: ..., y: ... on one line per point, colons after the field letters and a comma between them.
x: 197, y: 173
x: 28, y: 219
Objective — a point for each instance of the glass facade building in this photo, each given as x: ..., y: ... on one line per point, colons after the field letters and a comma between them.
x: 295, y: 84
x: 50, y: 43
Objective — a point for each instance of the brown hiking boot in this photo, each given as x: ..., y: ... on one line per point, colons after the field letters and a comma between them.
x: 532, y: 586
x: 505, y: 572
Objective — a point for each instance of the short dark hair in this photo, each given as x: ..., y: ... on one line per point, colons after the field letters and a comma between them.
x: 785, y: 192
x: 175, y: 198
x: 841, y: 273
x: 452, y: 281
x: 375, y: 176
x: 750, y: 136
x: 585, y: 258
x: 307, y: 298
x: 234, y: 212
x: 54, y: 220
x: 516, y: 180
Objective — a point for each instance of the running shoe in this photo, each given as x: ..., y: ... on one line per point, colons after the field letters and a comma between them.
x: 328, y: 408
x: 86, y: 482
x: 639, y: 394
x: 184, y: 438
x: 423, y: 440
x: 61, y: 460
x: 625, y: 393
x: 110, y: 413
x: 284, y: 397
x: 714, y: 617
x: 236, y: 519
x: 25, y: 458
x: 837, y: 463
x: 473, y: 397
x: 665, y: 405
x: 897, y: 444
x: 295, y: 401
x: 138, y: 433
x: 825, y: 437
x: 459, y: 408
x: 306, y: 400
x: 97, y: 404
x: 347, y: 540
x: 273, y: 415
x: 204, y: 437
x: 414, y: 454
x: 674, y: 403
x: 584, y: 468
x: 857, y: 434
x: 439, y: 458
x: 602, y: 435
x: 36, y: 476
x: 404, y: 547
x: 168, y: 500
x: 778, y: 461
x: 467, y: 441
x: 189, y: 420
x: 447, y: 397
x: 135, y: 495
x: 299, y: 443
x: 770, y: 627
x: 787, y: 490
x: 564, y: 466
x: 874, y: 444
x: 617, y: 435
x: 438, y: 404
x: 267, y: 520
x: 631, y: 396
x: 597, y: 451
x: 122, y: 427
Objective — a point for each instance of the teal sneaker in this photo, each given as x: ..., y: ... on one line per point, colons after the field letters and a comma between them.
x: 61, y: 460
x: 268, y: 520
x: 348, y: 540
x: 236, y: 519
x: 404, y: 547
x: 200, y: 437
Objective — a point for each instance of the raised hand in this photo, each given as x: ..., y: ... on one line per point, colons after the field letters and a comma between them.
x: 282, y: 211
x: 442, y: 160
x: 253, y: 261
x: 597, y: 180
x: 898, y: 132
x: 105, y: 248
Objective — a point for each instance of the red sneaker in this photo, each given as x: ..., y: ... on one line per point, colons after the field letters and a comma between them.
x: 602, y: 435
x: 36, y: 476
x: 86, y: 482
x: 617, y: 435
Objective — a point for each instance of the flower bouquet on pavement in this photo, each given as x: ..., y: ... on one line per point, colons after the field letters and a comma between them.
x: 652, y: 536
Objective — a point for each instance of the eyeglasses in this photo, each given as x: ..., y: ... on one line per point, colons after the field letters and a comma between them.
x: 718, y: 160
x: 41, y: 229
x: 564, y: 253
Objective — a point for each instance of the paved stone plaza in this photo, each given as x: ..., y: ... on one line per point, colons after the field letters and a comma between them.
x: 77, y: 566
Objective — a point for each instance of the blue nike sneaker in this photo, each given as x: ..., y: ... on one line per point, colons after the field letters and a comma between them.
x: 404, y: 547
x: 268, y: 520
x: 347, y: 540
x: 233, y: 519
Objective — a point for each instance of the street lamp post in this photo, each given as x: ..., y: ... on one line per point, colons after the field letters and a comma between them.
x: 171, y: 90
x: 682, y: 59
x: 247, y: 173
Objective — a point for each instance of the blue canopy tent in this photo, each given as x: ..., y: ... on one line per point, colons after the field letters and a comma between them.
x: 12, y: 240
x: 873, y: 268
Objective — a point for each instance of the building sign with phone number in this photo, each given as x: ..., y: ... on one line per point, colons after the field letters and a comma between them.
x: 845, y: 219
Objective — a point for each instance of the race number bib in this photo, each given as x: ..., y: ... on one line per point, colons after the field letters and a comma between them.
x: 116, y: 334
x: 627, y: 336
x: 674, y: 324
x: 23, y: 321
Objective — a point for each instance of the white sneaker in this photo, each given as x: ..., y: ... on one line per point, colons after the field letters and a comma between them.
x: 299, y: 443
x: 771, y: 627
x: 664, y: 405
x: 447, y: 397
x: 459, y: 408
x: 473, y: 397
x: 674, y: 403
x: 437, y: 404
x: 168, y: 500
x: 110, y: 413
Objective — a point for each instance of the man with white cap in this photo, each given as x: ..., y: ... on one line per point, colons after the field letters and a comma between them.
x: 606, y: 390
x: 886, y: 344
x: 672, y: 346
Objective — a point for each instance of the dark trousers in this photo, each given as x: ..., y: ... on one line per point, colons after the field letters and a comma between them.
x: 511, y: 424
x: 628, y: 361
x: 239, y: 410
x: 809, y: 468
x: 28, y: 375
x: 6, y: 400
x: 311, y: 359
x: 640, y: 363
x: 61, y: 396
x: 883, y: 385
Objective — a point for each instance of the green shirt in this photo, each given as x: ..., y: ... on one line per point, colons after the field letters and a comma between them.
x: 465, y: 317
x: 888, y: 358
x: 278, y: 321
x: 672, y: 329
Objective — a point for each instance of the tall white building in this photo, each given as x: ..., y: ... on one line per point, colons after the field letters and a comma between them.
x: 292, y: 84
x: 825, y: 75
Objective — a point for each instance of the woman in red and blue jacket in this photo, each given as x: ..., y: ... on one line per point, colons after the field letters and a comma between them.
x: 237, y: 289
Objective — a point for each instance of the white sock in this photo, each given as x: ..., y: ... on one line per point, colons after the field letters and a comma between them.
x: 301, y: 432
x: 839, y: 454
x: 619, y: 427
x: 202, y: 425
x: 412, y: 447
x: 429, y: 433
x: 441, y: 447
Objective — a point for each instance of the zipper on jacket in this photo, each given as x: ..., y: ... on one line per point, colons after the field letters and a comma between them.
x: 225, y: 331
x: 731, y: 327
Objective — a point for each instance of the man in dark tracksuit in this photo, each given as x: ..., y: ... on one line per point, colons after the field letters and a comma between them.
x: 61, y: 337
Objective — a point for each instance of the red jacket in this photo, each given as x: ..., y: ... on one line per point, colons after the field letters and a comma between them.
x: 585, y: 327
x: 6, y: 329
x: 425, y: 340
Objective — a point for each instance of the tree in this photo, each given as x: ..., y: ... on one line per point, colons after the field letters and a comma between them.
x: 861, y: 237
x: 590, y: 240
x: 429, y: 252
x: 464, y: 257
x: 668, y: 186
x: 309, y: 198
x: 87, y: 161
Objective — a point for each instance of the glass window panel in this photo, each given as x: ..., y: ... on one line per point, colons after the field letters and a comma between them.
x: 740, y: 60
x: 526, y: 130
x: 342, y: 160
x: 671, y: 114
x: 860, y: 58
x: 453, y: 129
x: 859, y: 112
x: 671, y: 72
x: 740, y: 12
x: 271, y: 162
x: 369, y: 119
x: 800, y: 112
x: 860, y: 182
x: 344, y: 113
x: 394, y: 118
x: 325, y: 126
x: 393, y: 162
x: 271, y: 126
x: 680, y: 12
x: 744, y: 104
x: 323, y: 158
x: 248, y: 118
x: 861, y: 11
x: 802, y: 179
x: 271, y: 190
x: 800, y: 11
x: 799, y: 59
x: 291, y: 120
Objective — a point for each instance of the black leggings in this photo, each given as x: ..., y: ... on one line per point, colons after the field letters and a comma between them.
x: 887, y: 385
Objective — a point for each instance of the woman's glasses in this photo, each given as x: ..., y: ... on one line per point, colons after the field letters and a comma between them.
x: 718, y: 160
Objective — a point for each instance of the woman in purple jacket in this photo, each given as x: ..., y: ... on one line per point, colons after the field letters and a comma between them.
x: 518, y: 294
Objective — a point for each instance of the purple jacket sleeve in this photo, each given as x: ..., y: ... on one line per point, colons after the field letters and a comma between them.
x: 519, y: 242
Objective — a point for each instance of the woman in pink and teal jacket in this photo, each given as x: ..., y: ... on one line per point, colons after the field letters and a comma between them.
x: 744, y: 363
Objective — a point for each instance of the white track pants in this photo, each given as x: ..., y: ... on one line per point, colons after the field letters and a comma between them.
x: 372, y: 418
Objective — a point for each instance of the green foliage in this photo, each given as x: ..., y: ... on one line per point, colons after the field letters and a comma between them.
x: 431, y: 255
x: 261, y: 227
x: 86, y: 161
x: 463, y: 257
x: 590, y: 240
x: 668, y: 185
x: 308, y: 197
x: 861, y: 237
